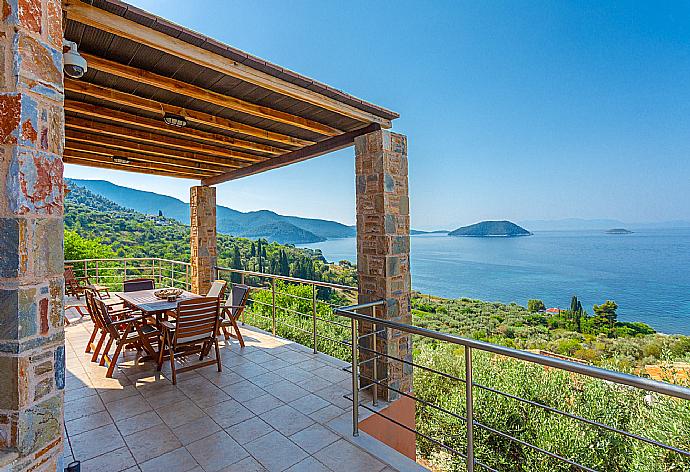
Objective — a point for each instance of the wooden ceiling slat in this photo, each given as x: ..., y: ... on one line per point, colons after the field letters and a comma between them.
x: 85, y: 151
x: 104, y: 144
x: 328, y: 145
x: 133, y: 31
x: 152, y: 106
x: 118, y: 132
x: 140, y: 169
x: 199, y: 93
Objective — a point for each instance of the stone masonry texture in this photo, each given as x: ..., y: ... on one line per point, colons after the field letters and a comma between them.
x: 383, y: 250
x: 32, y: 353
x: 202, y: 206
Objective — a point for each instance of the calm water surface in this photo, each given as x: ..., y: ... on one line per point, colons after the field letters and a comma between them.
x: 647, y: 273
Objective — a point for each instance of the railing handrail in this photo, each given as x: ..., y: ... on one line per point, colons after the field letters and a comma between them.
x: 287, y: 278
x: 664, y: 388
x: 100, y: 259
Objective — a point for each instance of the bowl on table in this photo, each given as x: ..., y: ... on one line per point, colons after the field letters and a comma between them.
x: 169, y: 294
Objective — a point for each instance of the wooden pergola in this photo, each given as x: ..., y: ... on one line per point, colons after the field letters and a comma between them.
x: 241, y: 114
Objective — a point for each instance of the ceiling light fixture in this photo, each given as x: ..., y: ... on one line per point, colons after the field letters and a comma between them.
x: 120, y: 160
x: 177, y: 121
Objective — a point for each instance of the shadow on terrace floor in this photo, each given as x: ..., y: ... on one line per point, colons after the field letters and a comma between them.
x: 276, y: 406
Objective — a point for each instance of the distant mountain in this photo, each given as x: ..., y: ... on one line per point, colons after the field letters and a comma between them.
x: 491, y: 229
x: 265, y: 224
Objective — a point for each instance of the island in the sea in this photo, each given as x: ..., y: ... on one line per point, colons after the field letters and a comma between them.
x: 618, y: 231
x: 491, y: 229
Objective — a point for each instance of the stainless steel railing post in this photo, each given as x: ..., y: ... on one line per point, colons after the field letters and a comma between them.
x: 273, y: 316
x: 469, y: 406
x: 313, y: 315
x: 374, y: 369
x: 98, y: 278
x: 355, y: 381
x: 242, y: 282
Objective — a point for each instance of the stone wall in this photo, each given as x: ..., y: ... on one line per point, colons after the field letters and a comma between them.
x: 202, y: 206
x: 32, y: 354
x: 383, y: 247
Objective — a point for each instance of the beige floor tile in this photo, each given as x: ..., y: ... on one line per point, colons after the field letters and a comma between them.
x: 314, y: 438
x: 342, y: 452
x: 249, y: 430
x: 152, y: 442
x: 275, y: 452
x: 179, y: 413
x: 196, y: 429
x: 217, y: 451
x: 286, y: 419
x: 326, y: 414
x: 111, y: 395
x: 287, y: 391
x: 127, y: 407
x: 229, y: 413
x: 262, y: 404
x: 138, y: 423
x: 87, y: 423
x: 243, y: 391
x: 308, y: 404
x: 113, y: 461
x: 310, y: 465
x: 179, y: 460
x: 96, y: 442
x: 247, y: 464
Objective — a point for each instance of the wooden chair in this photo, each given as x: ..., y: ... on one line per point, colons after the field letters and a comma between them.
x: 134, y: 285
x: 115, y: 311
x: 193, y: 332
x: 233, y: 309
x: 122, y: 332
x: 75, y: 286
x: 217, y: 289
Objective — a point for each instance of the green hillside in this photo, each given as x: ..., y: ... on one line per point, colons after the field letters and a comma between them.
x: 129, y: 233
x: 256, y: 224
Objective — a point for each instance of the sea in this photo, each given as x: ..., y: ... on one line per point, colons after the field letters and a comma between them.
x: 647, y: 273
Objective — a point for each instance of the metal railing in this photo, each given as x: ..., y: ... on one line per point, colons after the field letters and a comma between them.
x: 365, y: 326
x: 113, y: 271
x: 294, y: 308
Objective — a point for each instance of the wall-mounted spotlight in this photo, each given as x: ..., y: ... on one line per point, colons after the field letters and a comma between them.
x: 178, y: 121
x: 74, y: 64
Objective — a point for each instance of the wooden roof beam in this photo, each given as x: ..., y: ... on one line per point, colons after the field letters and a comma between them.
x: 109, y: 145
x: 85, y: 151
x: 328, y: 145
x: 200, y: 93
x: 105, y: 21
x: 193, y: 116
x: 138, y: 168
x: 113, y: 131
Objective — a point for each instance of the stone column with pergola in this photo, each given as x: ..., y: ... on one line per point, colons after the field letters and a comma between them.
x: 32, y: 352
x: 203, y: 252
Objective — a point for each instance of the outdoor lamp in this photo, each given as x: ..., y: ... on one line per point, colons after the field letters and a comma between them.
x: 120, y: 160
x: 178, y: 121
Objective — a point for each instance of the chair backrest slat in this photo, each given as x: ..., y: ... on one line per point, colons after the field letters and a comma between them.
x: 91, y: 307
x: 197, y: 319
x: 217, y: 289
x: 134, y: 285
x: 237, y: 300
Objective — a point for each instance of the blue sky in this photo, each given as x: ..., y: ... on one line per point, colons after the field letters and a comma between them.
x: 517, y: 110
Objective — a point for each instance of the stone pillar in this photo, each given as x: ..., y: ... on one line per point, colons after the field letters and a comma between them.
x: 202, y: 209
x: 32, y: 351
x: 383, y: 267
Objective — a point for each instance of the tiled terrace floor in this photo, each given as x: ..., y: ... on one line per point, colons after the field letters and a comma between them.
x: 276, y: 406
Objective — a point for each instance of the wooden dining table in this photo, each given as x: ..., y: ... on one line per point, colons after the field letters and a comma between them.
x: 150, y: 305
